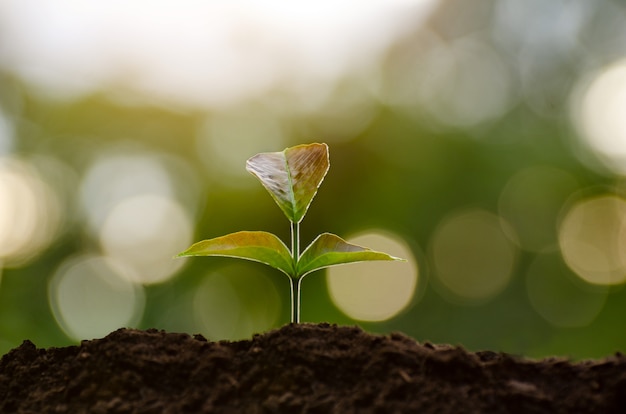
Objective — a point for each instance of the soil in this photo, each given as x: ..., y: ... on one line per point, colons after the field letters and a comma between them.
x: 305, y: 368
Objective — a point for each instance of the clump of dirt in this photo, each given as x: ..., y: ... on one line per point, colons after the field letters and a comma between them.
x: 299, y: 368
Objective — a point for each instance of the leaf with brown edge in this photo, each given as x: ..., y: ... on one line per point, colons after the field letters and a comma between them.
x: 331, y: 250
x: 292, y: 176
x: 258, y: 246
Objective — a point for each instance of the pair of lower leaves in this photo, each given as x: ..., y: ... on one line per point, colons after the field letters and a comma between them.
x: 326, y: 250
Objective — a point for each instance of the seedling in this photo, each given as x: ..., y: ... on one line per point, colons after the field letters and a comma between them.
x: 292, y: 178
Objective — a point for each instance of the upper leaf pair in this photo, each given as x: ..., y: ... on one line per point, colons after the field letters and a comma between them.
x: 292, y: 176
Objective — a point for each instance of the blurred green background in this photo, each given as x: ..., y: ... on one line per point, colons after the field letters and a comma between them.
x: 483, y: 140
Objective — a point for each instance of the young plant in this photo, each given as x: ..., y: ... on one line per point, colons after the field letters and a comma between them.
x: 292, y: 178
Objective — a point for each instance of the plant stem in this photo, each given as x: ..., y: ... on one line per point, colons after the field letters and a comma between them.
x: 295, y: 299
x: 295, y: 241
x: 295, y: 283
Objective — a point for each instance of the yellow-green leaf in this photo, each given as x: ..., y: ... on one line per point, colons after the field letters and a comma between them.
x: 258, y: 246
x: 331, y: 250
x: 292, y: 176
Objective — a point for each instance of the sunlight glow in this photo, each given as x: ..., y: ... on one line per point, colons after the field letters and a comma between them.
x: 131, y: 205
x: 90, y: 297
x: 29, y: 212
x: 116, y: 176
x: 375, y: 291
x: 198, y: 53
x: 592, y: 237
x: 599, y: 113
x: 144, y: 232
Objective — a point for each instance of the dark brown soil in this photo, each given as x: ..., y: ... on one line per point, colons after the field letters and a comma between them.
x: 298, y: 369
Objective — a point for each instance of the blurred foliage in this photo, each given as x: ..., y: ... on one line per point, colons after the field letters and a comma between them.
x: 404, y: 158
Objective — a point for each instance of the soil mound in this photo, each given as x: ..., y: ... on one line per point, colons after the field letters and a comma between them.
x: 302, y: 368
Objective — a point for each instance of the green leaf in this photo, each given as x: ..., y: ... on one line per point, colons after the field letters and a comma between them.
x: 292, y: 176
x: 331, y: 250
x: 258, y: 246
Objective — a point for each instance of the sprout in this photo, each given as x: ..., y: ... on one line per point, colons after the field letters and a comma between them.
x: 292, y: 178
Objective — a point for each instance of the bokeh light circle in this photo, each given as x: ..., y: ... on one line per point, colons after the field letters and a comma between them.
x: 599, y: 114
x: 145, y: 232
x: 236, y: 302
x: 591, y: 238
x: 531, y: 202
x: 555, y: 294
x: 91, y: 296
x: 30, y: 212
x: 130, y: 200
x: 224, y: 141
x: 461, y: 83
x: 472, y: 256
x: 121, y: 173
x: 375, y: 291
